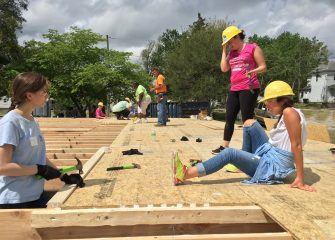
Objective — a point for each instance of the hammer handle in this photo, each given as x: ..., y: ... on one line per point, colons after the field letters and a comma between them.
x: 62, y: 170
x: 128, y: 166
x: 68, y: 169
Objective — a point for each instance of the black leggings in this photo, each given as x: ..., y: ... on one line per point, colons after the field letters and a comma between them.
x: 123, y: 113
x: 241, y: 100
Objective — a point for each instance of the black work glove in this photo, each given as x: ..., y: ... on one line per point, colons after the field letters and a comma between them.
x: 47, y: 172
x: 74, y: 178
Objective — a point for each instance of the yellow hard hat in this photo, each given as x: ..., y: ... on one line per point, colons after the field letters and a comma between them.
x: 101, y: 104
x: 127, y: 99
x: 275, y: 89
x: 229, y: 33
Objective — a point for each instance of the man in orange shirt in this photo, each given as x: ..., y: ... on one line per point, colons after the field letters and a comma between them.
x: 161, y: 92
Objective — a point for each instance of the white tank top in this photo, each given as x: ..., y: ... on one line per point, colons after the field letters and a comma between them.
x: 279, y: 136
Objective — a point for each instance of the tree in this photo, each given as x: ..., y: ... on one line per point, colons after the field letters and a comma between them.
x: 193, y: 67
x: 146, y: 55
x: 10, y: 22
x: 81, y: 74
x: 292, y: 58
x: 198, y: 25
x: 155, y: 53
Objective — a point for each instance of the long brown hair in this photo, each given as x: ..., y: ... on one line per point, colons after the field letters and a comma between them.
x: 286, y: 101
x: 23, y: 83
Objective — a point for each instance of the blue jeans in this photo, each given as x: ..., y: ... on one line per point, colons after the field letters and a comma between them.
x: 161, y: 111
x: 253, y: 137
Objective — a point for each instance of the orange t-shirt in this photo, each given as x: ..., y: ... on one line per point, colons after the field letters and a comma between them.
x: 160, y: 80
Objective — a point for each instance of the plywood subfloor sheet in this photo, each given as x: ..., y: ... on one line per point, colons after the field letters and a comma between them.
x: 305, y: 215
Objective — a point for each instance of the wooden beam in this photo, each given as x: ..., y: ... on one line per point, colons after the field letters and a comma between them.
x: 147, y: 216
x: 16, y: 225
x: 72, y: 150
x: 59, y: 198
x: 157, y: 230
x: 245, y: 236
x: 69, y: 155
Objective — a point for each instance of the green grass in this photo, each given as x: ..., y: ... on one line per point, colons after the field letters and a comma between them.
x: 308, y: 105
x: 3, y: 112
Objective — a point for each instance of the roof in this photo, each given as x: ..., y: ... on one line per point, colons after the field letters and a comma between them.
x: 330, y: 67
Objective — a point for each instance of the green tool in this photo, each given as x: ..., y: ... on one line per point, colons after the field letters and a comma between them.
x: 78, y: 166
x: 127, y: 166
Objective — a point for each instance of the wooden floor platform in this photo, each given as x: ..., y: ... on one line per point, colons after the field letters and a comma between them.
x: 144, y: 204
x: 151, y: 185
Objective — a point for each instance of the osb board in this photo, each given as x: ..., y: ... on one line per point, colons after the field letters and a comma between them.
x: 318, y: 132
x: 315, y: 131
x: 294, y: 209
x: 152, y: 184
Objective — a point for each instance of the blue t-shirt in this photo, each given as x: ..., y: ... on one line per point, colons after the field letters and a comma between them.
x: 29, y: 149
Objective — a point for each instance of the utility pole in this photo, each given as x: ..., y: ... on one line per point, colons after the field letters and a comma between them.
x: 108, y: 94
x: 107, y: 38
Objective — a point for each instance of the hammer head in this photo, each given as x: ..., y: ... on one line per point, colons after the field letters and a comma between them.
x: 136, y: 165
x: 79, y: 166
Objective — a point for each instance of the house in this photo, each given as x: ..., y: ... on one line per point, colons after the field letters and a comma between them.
x: 4, y: 105
x: 44, y: 111
x: 321, y: 87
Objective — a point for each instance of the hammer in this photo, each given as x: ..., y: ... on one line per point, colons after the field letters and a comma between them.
x: 78, y: 166
x: 247, y: 66
x: 127, y: 166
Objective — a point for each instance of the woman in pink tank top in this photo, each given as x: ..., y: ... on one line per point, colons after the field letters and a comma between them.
x: 245, y: 61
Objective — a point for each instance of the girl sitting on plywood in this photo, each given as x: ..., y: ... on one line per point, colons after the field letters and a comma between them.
x: 265, y: 160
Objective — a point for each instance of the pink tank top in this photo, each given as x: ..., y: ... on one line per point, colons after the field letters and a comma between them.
x: 237, y: 61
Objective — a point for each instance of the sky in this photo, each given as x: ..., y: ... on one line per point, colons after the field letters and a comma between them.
x: 132, y: 23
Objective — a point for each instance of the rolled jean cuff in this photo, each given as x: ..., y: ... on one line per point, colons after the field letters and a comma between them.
x: 201, y: 170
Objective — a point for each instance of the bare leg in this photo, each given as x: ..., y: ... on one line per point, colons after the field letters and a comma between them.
x: 191, y: 173
x: 226, y: 144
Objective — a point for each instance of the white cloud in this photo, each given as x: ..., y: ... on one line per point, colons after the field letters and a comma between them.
x: 133, y: 22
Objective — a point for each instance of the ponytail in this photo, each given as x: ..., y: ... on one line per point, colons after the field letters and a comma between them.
x: 12, y: 105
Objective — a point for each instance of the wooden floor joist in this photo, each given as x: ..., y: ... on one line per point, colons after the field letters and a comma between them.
x: 61, y: 197
x: 228, y: 222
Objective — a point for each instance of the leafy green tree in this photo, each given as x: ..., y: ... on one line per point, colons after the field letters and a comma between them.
x: 154, y: 55
x: 193, y: 67
x: 146, y: 55
x: 198, y: 25
x: 292, y: 58
x: 81, y: 74
x: 10, y: 22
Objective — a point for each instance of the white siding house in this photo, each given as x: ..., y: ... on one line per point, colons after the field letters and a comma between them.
x: 321, y: 87
x: 4, y: 103
x: 39, y: 112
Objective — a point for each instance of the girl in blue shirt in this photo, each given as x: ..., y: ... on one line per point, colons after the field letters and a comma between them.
x: 22, y: 146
